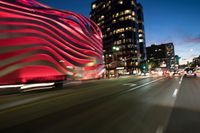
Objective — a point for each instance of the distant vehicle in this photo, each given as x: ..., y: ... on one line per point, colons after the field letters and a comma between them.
x: 190, y: 72
x: 176, y: 73
x: 157, y: 72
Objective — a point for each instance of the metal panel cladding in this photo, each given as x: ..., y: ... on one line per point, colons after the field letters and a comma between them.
x: 39, y: 43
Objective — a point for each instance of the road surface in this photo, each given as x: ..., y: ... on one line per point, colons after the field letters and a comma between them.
x: 124, y: 105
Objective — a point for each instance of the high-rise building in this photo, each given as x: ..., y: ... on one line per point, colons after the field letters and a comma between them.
x: 122, y: 25
x: 141, y: 33
x: 162, y: 54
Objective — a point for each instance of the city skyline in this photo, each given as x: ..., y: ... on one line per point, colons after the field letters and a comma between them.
x: 166, y: 21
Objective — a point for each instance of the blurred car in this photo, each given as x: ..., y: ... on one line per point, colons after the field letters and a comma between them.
x: 197, y: 72
x: 176, y: 73
x: 157, y: 72
x: 190, y: 72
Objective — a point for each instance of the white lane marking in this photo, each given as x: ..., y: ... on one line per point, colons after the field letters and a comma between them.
x: 181, y: 80
x: 159, y: 129
x: 130, y: 84
x: 175, y: 93
x: 144, y: 84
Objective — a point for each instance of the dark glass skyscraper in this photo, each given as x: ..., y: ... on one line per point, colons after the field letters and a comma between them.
x: 141, y: 32
x: 122, y: 25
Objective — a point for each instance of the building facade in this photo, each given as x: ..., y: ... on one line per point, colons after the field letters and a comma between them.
x: 141, y: 33
x: 163, y: 55
x: 41, y: 44
x: 196, y: 61
x: 123, y: 33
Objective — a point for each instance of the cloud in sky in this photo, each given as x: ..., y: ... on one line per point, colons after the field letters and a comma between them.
x: 192, y: 39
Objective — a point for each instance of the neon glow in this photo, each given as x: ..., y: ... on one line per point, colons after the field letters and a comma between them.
x: 41, y: 44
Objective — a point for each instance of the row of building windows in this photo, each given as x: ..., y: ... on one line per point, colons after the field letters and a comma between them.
x: 120, y: 53
x: 94, y: 6
x: 118, y: 42
x: 123, y: 13
x: 121, y: 30
x: 118, y: 31
x: 121, y: 2
x: 125, y: 46
x: 129, y: 17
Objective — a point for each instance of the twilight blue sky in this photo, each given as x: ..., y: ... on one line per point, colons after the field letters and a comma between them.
x: 176, y: 21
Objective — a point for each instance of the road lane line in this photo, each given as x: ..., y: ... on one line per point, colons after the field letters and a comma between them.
x: 130, y: 84
x: 181, y: 80
x: 159, y: 129
x: 175, y: 93
x: 144, y: 84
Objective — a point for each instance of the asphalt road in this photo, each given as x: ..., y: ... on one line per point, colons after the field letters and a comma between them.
x: 125, y: 105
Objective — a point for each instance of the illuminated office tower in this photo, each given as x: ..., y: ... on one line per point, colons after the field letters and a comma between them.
x: 123, y: 34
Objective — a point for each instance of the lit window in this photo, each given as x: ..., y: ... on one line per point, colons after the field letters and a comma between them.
x: 114, y: 21
x: 140, y: 35
x: 120, y: 2
x: 129, y: 17
x: 94, y: 6
x: 127, y: 11
x: 133, y: 13
x: 132, y: 2
x: 121, y: 13
x: 121, y: 19
x: 117, y: 14
x: 141, y: 40
x: 140, y: 31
